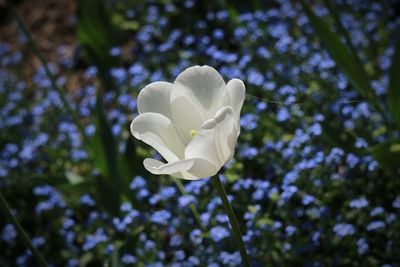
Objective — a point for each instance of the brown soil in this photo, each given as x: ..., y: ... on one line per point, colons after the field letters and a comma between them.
x: 51, y: 23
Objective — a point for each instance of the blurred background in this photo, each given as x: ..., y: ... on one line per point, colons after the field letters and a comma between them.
x: 315, y: 178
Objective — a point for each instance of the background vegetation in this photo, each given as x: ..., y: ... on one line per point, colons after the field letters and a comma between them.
x: 315, y: 180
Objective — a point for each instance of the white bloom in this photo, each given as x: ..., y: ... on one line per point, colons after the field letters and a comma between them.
x: 193, y: 123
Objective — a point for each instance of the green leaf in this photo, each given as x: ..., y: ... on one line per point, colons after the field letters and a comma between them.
x: 334, y: 134
x: 346, y: 61
x: 129, y: 164
x: 393, y: 97
x: 94, y: 29
x: 104, y: 148
x: 115, y: 257
x: 104, y: 142
x: 388, y: 154
x: 107, y: 195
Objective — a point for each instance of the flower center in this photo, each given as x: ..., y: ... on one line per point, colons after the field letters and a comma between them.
x: 193, y: 133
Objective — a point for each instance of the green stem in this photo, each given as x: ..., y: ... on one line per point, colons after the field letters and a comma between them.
x: 22, y: 234
x: 193, y: 208
x: 232, y: 218
x: 49, y: 74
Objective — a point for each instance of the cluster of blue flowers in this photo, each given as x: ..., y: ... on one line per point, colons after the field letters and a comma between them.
x: 303, y: 184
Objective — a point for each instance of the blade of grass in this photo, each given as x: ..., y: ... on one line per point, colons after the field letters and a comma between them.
x: 21, y: 232
x: 347, y: 62
x: 393, y: 96
x: 333, y: 10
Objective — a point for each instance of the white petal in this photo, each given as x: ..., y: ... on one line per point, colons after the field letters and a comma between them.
x: 205, y: 87
x: 188, y: 169
x: 158, y: 167
x: 237, y: 94
x: 236, y: 91
x: 157, y: 131
x: 216, y: 139
x: 186, y: 116
x: 155, y: 98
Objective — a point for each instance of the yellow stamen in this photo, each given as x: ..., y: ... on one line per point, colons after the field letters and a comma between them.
x: 193, y: 133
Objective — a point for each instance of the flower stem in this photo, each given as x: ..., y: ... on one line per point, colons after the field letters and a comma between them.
x: 232, y: 218
x: 36, y: 254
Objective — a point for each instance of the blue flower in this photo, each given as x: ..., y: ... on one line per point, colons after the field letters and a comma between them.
x: 161, y: 217
x: 9, y: 233
x: 175, y: 241
x: 308, y: 199
x: 283, y: 114
x: 167, y: 192
x: 180, y: 255
x: 249, y: 121
x: 229, y: 259
x: 38, y: 241
x: 359, y: 203
x: 375, y: 225
x: 248, y: 152
x: 316, y: 129
x: 396, y: 203
x: 87, y: 200
x: 377, y: 211
x: 352, y: 160
x: 115, y: 51
x: 344, y: 229
x: 362, y: 246
x: 290, y: 230
x: 92, y: 241
x: 186, y: 200
x: 128, y: 259
x: 72, y: 263
x: 137, y: 182
x: 218, y: 233
x: 195, y: 236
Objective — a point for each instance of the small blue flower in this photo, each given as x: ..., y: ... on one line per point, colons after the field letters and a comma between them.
x: 290, y: 230
x: 180, y: 255
x: 38, y: 241
x: 137, y: 182
x: 377, y: 211
x: 396, y: 203
x: 87, y: 200
x: 248, y: 121
x: 283, y: 114
x: 186, y: 200
x: 161, y: 217
x: 375, y: 225
x: 344, y: 229
x: 362, y: 246
x: 128, y: 259
x: 9, y: 233
x: 195, y: 236
x: 308, y: 199
x: 218, y: 233
x: 175, y: 241
x: 359, y: 203
x: 92, y: 241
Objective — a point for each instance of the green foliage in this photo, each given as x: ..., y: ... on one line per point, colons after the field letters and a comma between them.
x: 96, y: 33
x: 285, y: 173
x: 347, y: 61
x: 393, y: 97
x: 388, y: 154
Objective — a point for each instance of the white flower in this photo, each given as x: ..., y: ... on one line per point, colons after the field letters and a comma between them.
x: 193, y: 123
